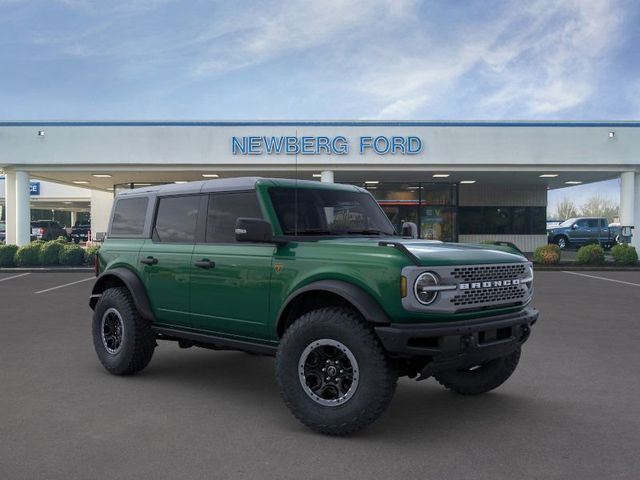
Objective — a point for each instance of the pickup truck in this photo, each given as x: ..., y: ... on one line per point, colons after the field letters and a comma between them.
x: 581, y: 231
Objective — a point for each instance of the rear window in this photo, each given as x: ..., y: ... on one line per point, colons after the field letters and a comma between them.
x: 128, y: 216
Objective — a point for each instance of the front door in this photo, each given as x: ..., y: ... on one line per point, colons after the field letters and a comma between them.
x: 230, y: 281
x: 165, y: 259
x: 580, y: 232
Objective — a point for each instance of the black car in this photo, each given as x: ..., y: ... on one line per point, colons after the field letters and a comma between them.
x: 80, y: 232
x: 47, y: 230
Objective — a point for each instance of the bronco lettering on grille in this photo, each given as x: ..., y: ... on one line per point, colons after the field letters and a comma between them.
x: 489, y: 284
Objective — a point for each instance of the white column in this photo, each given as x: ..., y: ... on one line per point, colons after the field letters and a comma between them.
x: 73, y: 218
x: 635, y: 240
x: 627, y: 203
x: 326, y: 176
x: 23, y: 209
x: 10, y: 206
x: 101, y: 203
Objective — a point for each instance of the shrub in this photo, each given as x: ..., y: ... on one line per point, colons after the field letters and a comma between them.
x: 71, y: 255
x: 62, y: 240
x: 50, y: 253
x: 624, y: 254
x: 547, y: 254
x: 590, y: 255
x: 90, y: 254
x: 29, y: 255
x: 8, y: 255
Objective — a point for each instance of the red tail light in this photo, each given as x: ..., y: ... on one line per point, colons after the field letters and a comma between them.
x: 42, y: 232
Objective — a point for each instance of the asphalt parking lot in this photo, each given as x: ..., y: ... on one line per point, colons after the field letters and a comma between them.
x: 571, y: 410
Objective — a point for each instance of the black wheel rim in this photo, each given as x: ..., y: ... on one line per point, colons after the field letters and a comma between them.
x: 328, y: 372
x: 112, y: 330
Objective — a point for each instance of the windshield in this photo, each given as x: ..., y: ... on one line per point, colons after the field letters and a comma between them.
x: 568, y: 223
x: 328, y: 212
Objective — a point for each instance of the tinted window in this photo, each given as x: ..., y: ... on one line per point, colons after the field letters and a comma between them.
x: 224, y: 210
x: 312, y: 211
x: 582, y: 223
x: 594, y: 223
x: 176, y: 219
x: 502, y: 220
x: 128, y: 216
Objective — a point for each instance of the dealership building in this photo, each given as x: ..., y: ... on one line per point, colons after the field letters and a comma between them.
x: 457, y: 181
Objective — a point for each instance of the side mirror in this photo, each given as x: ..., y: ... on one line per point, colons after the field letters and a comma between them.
x: 574, y: 226
x: 254, y: 230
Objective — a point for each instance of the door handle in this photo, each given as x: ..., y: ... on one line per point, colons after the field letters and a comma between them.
x: 149, y: 261
x: 205, y: 263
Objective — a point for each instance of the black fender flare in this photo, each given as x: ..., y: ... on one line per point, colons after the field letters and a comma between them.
x: 133, y: 284
x: 368, y: 307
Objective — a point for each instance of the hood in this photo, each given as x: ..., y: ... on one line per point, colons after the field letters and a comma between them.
x: 435, y: 253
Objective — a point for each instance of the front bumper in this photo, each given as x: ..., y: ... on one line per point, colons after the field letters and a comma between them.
x: 455, y: 345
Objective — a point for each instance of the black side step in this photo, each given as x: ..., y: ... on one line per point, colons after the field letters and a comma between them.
x: 208, y: 340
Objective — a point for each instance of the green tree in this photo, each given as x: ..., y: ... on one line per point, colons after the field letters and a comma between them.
x: 565, y: 209
x: 597, y: 206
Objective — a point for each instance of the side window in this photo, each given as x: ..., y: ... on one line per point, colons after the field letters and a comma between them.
x: 224, y: 210
x: 128, y: 216
x: 176, y: 219
x: 593, y: 223
x: 603, y: 223
x: 581, y: 223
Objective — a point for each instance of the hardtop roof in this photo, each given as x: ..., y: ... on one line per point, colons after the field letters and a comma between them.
x: 231, y: 184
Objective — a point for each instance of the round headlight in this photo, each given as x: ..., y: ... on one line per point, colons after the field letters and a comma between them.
x: 422, y: 288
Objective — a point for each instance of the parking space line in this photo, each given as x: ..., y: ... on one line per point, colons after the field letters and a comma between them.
x: 65, y: 285
x: 11, y: 278
x: 602, y: 278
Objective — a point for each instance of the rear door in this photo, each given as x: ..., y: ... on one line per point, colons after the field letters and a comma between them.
x: 165, y: 258
x: 594, y: 234
x: 229, y: 280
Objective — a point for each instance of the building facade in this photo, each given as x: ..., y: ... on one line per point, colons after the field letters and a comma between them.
x: 457, y: 181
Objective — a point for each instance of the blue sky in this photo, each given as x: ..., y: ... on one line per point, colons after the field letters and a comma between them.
x: 330, y: 59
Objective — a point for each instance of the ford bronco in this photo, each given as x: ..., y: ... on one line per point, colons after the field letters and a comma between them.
x: 314, y: 274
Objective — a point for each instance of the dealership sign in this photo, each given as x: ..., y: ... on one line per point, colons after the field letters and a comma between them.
x: 311, y: 145
x: 34, y: 188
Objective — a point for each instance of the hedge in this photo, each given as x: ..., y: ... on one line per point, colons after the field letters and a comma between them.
x: 90, y: 254
x: 8, y: 255
x: 50, y: 253
x: 71, y: 255
x: 29, y: 255
x: 590, y: 255
x: 547, y: 254
x: 624, y: 254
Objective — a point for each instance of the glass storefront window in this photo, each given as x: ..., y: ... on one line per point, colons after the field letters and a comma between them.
x: 431, y: 206
x: 502, y: 220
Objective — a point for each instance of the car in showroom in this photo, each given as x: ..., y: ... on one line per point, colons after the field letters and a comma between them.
x: 314, y: 274
x: 80, y: 232
x: 47, y: 230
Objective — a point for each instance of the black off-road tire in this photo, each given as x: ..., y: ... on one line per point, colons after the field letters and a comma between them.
x: 377, y: 376
x: 138, y: 340
x: 482, y: 379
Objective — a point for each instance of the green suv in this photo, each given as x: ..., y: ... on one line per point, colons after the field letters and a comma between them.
x: 314, y: 274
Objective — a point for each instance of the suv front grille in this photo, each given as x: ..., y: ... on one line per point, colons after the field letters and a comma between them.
x: 479, y: 273
x: 510, y: 294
